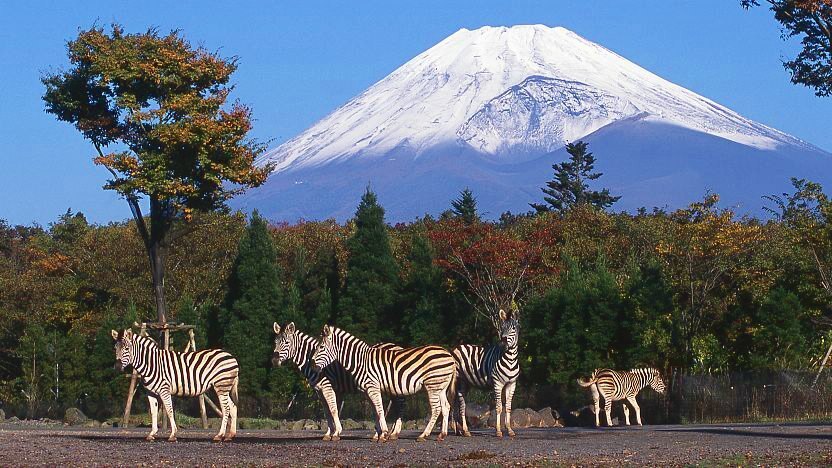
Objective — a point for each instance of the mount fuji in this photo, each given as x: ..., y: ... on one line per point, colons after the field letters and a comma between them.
x: 491, y: 109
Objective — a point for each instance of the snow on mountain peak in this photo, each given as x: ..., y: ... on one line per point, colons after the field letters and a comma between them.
x: 506, y: 92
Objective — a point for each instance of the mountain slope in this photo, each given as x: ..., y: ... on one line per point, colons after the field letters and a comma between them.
x: 490, y: 109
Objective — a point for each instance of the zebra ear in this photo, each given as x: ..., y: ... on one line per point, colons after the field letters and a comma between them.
x: 276, y: 328
x: 290, y: 328
x: 326, y: 331
x: 114, y: 334
x: 128, y: 334
x: 503, y: 315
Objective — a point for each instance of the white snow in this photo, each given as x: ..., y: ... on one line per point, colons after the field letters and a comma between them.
x: 508, y: 92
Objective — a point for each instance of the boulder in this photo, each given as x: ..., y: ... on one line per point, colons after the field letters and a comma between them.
x: 369, y: 425
x: 2, y: 415
x: 298, y: 425
x: 411, y: 425
x: 350, y: 424
x: 549, y: 417
x: 524, y: 417
x: 106, y: 424
x: 14, y: 419
x: 74, y: 417
x: 310, y: 425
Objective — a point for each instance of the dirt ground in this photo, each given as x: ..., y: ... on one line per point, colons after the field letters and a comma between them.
x: 706, y: 445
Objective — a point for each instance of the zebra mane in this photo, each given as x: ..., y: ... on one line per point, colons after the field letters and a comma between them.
x: 344, y: 336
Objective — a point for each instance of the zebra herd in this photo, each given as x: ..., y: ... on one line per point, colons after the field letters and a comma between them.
x: 340, y: 363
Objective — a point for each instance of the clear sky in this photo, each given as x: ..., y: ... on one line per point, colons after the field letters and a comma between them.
x: 300, y: 60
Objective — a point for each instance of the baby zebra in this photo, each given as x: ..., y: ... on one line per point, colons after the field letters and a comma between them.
x: 297, y: 347
x: 398, y: 372
x: 166, y: 373
x: 494, y: 367
x: 614, y: 386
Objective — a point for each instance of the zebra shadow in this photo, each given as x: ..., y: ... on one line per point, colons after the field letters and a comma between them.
x: 753, y: 433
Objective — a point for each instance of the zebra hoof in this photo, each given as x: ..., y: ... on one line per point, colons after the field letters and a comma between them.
x: 150, y: 438
x: 327, y: 437
x: 441, y: 437
x: 171, y: 439
x: 420, y: 439
x: 217, y: 438
x: 393, y: 437
x: 511, y: 434
x: 335, y: 438
x: 466, y: 434
x: 228, y: 437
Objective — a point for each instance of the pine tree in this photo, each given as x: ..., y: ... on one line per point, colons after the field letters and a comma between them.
x: 366, y: 307
x: 465, y: 207
x: 254, y: 300
x: 422, y: 318
x: 570, y: 188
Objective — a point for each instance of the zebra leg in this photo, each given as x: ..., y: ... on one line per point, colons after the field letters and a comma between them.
x: 435, y: 401
x: 498, y: 405
x: 608, y: 410
x: 154, y: 416
x: 446, y: 411
x: 626, y: 414
x: 167, y: 401
x: 509, y: 395
x: 633, y: 402
x: 375, y: 397
x: 396, y: 412
x: 327, y: 394
x: 596, y: 406
x: 225, y: 401
x: 460, y: 411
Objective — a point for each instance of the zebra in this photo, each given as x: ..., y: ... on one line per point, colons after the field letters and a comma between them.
x: 167, y: 373
x: 495, y: 367
x: 613, y: 386
x: 297, y: 347
x: 395, y: 371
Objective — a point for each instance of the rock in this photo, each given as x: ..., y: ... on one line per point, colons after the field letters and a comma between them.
x: 369, y: 425
x: 310, y: 425
x: 523, y: 418
x: 106, y: 424
x: 411, y: 425
x: 548, y: 417
x: 2, y: 415
x: 74, y: 417
x: 92, y: 423
x: 14, y: 419
x: 350, y: 424
x: 298, y: 425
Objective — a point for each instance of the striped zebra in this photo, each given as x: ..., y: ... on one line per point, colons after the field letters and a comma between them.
x: 614, y: 385
x: 495, y: 367
x: 169, y: 373
x: 297, y: 347
x: 398, y: 372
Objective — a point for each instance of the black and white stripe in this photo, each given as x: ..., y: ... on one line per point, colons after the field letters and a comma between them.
x: 297, y: 347
x: 625, y: 385
x: 169, y: 373
x: 495, y: 367
x: 397, y: 372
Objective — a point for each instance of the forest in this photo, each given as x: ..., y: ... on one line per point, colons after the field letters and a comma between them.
x: 697, y: 290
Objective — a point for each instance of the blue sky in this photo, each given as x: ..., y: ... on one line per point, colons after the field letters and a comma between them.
x: 300, y: 60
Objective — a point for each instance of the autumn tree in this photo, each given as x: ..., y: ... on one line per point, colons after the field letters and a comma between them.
x: 811, y: 21
x: 570, y: 186
x: 154, y: 107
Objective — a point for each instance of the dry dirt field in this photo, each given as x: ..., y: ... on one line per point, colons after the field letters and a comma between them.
x: 703, y: 445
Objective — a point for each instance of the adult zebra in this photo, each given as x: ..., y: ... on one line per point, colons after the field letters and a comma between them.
x: 293, y: 345
x: 613, y: 386
x: 398, y: 372
x: 495, y: 367
x: 169, y: 373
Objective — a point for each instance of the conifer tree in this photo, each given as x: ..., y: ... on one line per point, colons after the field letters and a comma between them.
x: 422, y: 319
x: 254, y: 301
x: 570, y: 187
x: 465, y: 207
x: 372, y: 276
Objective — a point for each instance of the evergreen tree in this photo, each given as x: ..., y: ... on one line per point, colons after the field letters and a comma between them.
x: 570, y: 186
x: 366, y: 307
x: 253, y: 302
x: 465, y: 207
x: 422, y: 318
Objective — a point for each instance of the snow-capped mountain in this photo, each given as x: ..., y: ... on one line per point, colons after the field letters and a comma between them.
x: 491, y: 109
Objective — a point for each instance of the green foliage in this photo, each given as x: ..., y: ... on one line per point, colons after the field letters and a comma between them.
x: 253, y: 302
x: 779, y: 338
x: 570, y: 186
x: 367, y: 305
x: 465, y: 207
x: 422, y: 321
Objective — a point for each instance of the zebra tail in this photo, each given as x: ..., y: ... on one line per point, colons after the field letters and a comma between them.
x: 234, y: 396
x: 588, y: 382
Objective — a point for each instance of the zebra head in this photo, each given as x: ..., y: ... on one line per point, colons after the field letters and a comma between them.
x: 124, y: 348
x: 325, y: 351
x: 656, y: 383
x: 509, y: 329
x: 285, y: 343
